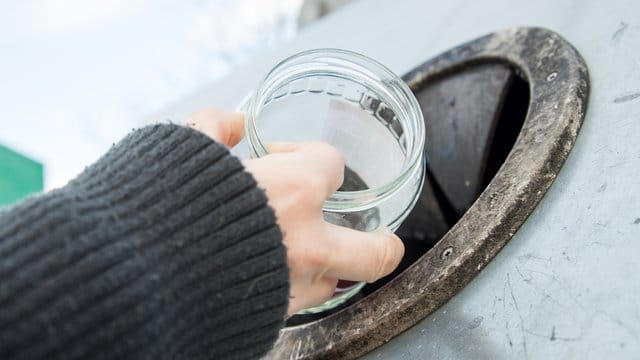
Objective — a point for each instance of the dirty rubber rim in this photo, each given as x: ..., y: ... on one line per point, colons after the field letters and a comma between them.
x: 559, y: 87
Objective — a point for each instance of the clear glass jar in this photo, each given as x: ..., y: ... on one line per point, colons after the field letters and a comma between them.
x: 364, y: 110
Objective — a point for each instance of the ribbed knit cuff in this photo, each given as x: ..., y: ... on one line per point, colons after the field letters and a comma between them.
x: 164, y: 248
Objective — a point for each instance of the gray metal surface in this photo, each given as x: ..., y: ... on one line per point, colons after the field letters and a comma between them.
x: 567, y: 284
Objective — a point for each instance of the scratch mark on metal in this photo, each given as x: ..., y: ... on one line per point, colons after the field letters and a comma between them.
x: 628, y: 96
x: 554, y: 336
x: 620, y: 31
x: 475, y: 322
x: 525, y: 279
x: 619, y: 322
x: 552, y: 299
x: 530, y: 257
x: 620, y: 163
x: 504, y: 295
x: 506, y: 327
x: 515, y: 303
x: 600, y: 243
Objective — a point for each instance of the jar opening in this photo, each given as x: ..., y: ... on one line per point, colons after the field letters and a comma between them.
x: 359, y: 82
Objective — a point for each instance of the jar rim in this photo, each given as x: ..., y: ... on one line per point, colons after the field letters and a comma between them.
x: 347, y: 201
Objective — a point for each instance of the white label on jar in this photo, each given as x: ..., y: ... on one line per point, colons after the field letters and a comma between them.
x: 367, y: 145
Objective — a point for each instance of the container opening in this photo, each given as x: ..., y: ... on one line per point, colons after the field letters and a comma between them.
x: 482, y: 148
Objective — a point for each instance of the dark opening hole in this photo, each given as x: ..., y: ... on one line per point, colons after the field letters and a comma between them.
x: 449, y: 213
x: 510, y: 121
x: 514, y: 111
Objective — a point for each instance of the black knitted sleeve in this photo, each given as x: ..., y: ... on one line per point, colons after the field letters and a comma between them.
x: 165, y: 248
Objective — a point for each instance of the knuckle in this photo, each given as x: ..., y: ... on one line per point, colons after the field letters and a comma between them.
x: 317, y: 257
x: 296, y: 264
x: 309, y: 188
x: 309, y: 259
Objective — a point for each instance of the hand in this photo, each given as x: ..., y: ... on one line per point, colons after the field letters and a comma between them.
x: 297, y: 179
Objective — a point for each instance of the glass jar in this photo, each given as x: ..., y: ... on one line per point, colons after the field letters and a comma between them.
x: 364, y: 110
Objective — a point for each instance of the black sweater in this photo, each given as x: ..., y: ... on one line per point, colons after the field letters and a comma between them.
x: 165, y: 248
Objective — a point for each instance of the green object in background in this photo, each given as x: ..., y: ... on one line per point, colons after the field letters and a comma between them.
x: 19, y: 176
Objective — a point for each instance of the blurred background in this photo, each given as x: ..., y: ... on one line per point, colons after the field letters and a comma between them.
x: 77, y: 75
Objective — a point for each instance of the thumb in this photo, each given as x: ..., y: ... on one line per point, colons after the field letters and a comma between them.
x: 225, y: 127
x: 363, y: 256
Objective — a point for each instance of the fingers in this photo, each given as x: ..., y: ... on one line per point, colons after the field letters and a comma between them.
x: 310, y: 296
x: 361, y: 256
x: 280, y: 147
x: 321, y: 161
x: 225, y: 127
x: 297, y: 179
